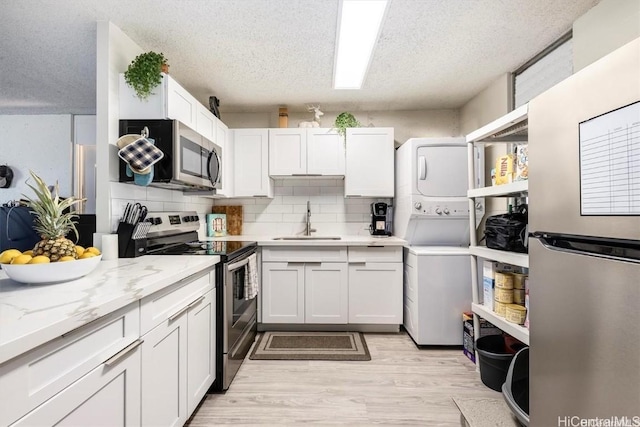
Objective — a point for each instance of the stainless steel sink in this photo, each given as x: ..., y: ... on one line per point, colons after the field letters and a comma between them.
x: 308, y: 238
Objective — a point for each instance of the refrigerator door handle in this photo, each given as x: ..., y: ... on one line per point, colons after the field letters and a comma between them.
x: 617, y: 250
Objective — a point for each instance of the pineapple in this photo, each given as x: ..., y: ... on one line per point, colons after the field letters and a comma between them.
x: 51, y: 223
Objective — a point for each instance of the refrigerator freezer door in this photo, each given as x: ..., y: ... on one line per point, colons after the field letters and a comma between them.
x: 554, y: 148
x: 585, y: 336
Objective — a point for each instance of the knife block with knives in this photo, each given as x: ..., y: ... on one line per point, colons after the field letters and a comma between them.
x: 132, y: 232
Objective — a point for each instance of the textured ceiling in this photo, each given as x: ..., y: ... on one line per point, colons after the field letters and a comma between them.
x: 257, y: 54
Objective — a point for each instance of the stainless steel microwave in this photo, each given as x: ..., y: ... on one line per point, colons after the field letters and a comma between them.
x: 190, y: 161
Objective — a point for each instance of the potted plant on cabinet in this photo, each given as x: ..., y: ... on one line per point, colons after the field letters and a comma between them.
x: 345, y: 120
x: 144, y: 73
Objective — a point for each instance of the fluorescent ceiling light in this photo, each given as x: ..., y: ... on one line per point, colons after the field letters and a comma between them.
x: 358, y: 28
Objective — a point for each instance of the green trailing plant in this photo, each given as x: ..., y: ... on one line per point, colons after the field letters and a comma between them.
x: 345, y: 120
x: 144, y: 73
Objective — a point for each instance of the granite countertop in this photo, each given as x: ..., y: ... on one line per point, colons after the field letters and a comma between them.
x: 31, y: 315
x: 345, y: 240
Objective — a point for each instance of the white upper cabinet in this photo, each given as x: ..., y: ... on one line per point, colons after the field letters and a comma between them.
x: 223, y: 140
x: 251, y: 163
x: 168, y: 100
x: 325, y: 152
x: 369, y: 162
x: 206, y: 122
x: 311, y: 152
x: 287, y: 152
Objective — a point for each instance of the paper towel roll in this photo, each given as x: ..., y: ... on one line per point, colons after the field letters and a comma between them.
x: 109, y: 246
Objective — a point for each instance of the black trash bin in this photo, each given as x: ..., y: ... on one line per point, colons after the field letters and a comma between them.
x: 495, y: 357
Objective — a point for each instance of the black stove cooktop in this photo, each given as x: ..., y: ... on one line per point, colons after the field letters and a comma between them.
x: 216, y: 247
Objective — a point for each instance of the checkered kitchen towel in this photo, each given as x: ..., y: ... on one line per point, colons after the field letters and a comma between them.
x: 140, y: 154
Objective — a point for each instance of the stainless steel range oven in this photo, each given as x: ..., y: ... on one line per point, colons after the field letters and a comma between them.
x: 174, y: 233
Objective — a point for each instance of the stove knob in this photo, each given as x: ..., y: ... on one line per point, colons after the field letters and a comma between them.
x: 194, y: 218
x: 157, y: 221
x: 186, y: 218
x: 438, y: 211
x: 446, y: 211
x: 417, y: 205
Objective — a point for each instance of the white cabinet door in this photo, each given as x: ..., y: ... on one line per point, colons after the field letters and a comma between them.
x: 222, y: 139
x: 325, y: 152
x: 369, y: 163
x: 180, y: 104
x: 164, y: 374
x: 282, y: 292
x: 107, y: 396
x: 200, y: 349
x: 205, y: 122
x: 287, y: 152
x: 251, y: 163
x: 326, y: 292
x: 375, y: 293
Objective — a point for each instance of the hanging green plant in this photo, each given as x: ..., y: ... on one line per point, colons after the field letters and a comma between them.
x: 345, y: 120
x: 144, y: 73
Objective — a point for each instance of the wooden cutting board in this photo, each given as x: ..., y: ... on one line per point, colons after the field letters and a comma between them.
x: 234, y: 218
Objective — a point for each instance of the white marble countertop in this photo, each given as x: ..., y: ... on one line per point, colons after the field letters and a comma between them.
x: 345, y: 240
x: 31, y: 315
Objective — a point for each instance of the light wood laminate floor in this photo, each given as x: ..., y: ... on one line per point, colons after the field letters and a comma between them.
x: 401, y: 385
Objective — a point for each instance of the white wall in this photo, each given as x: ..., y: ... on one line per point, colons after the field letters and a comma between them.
x: 407, y: 124
x: 607, y: 26
x: 285, y: 214
x: 114, y: 53
x: 41, y: 143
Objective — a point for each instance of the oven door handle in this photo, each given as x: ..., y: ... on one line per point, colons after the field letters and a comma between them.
x: 237, y: 265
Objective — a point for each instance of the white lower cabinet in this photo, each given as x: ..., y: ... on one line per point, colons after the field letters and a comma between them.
x: 298, y: 292
x: 282, y: 292
x: 107, y: 396
x: 326, y: 293
x: 305, y: 285
x: 59, y: 378
x: 178, y: 359
x: 375, y: 293
x: 164, y: 375
x: 375, y: 285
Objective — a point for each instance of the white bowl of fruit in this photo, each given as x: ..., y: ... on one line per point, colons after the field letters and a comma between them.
x: 26, y: 268
x: 55, y: 258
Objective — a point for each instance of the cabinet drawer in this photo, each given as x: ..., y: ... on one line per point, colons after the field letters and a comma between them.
x: 375, y: 253
x: 158, y: 307
x: 29, y: 380
x: 305, y: 254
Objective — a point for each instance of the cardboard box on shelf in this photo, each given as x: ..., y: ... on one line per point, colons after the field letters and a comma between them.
x: 505, y: 169
x: 468, y: 341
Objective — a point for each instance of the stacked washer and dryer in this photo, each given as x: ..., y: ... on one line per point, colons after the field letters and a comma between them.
x: 432, y: 215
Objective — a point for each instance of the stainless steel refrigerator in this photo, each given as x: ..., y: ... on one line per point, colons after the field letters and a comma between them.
x: 584, y: 219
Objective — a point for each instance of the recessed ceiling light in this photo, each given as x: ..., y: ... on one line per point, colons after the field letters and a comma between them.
x: 359, y: 23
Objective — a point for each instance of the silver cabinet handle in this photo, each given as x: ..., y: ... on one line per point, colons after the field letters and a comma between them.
x: 178, y: 313
x: 122, y: 353
x: 196, y: 302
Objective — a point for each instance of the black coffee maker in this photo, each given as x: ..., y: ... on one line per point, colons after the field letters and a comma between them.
x: 381, y: 219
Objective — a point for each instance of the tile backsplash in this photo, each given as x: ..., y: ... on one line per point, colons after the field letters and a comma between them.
x: 156, y: 200
x: 285, y: 214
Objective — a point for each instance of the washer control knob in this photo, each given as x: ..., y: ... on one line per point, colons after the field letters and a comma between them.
x: 439, y: 211
x: 418, y: 205
x: 446, y: 211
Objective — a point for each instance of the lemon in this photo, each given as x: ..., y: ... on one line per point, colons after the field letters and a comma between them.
x: 8, y: 255
x: 93, y: 250
x: 40, y: 259
x: 79, y: 250
x: 87, y: 254
x: 29, y: 252
x: 21, y: 259
x: 66, y: 258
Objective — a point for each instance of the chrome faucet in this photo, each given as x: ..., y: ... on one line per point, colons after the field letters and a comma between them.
x: 308, y: 230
